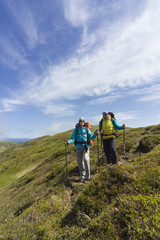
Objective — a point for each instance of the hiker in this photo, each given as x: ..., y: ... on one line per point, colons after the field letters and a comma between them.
x: 107, y: 129
x: 80, y: 137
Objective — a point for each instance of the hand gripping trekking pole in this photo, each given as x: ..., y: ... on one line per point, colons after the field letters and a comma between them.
x: 124, y: 144
x: 66, y: 162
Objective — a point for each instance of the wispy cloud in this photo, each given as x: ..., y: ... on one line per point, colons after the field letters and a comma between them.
x: 21, y: 37
x: 12, y: 53
x: 124, y: 53
x: 60, y: 127
x: 127, y: 61
x: 60, y: 110
x: 151, y: 94
x: 9, y: 105
x: 25, y: 20
x: 126, y: 116
x: 107, y: 99
x: 77, y: 12
x: 120, y: 117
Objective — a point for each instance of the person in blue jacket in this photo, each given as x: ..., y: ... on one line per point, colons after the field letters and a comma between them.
x: 80, y: 137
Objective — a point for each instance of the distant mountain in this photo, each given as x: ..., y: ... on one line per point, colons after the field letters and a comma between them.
x: 17, y: 140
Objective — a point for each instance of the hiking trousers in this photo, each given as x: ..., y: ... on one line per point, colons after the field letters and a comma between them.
x: 109, y: 146
x: 83, y: 162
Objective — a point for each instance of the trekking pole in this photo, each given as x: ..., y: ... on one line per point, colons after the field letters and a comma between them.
x: 101, y: 149
x: 124, y: 143
x: 66, y: 162
x: 98, y: 149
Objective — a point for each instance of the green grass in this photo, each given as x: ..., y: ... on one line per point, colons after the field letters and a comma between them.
x: 120, y: 202
x: 4, y: 145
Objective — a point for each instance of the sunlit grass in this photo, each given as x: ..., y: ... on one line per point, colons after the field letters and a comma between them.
x: 38, y: 201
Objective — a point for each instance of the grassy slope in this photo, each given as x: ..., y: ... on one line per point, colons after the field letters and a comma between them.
x: 36, y: 201
x: 4, y: 145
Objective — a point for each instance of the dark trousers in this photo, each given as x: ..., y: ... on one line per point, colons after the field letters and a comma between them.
x: 109, y: 146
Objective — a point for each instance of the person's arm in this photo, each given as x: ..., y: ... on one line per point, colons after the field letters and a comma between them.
x: 117, y: 126
x: 92, y: 136
x: 73, y: 137
x: 100, y: 126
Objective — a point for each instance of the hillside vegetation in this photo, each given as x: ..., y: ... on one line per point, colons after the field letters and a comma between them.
x: 4, y: 145
x: 38, y: 200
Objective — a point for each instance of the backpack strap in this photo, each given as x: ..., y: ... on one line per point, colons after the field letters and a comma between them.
x: 112, y: 115
x: 77, y: 126
x: 76, y: 142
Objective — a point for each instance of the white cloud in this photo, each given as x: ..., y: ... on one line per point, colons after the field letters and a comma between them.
x: 57, y: 127
x: 58, y: 109
x: 107, y: 99
x: 96, y: 119
x: 151, y: 94
x: 120, y: 117
x: 128, y: 56
x: 10, y: 105
x: 21, y: 37
x: 24, y: 18
x: 126, y: 116
x: 12, y: 53
x: 76, y: 12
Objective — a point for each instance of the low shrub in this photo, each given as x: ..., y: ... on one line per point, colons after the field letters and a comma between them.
x: 147, y: 143
x: 138, y: 217
x: 102, y: 190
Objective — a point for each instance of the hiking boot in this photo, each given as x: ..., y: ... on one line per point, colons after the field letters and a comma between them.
x: 82, y: 180
x: 87, y: 180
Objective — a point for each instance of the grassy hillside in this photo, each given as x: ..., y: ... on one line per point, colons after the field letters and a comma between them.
x: 4, y: 145
x: 38, y: 201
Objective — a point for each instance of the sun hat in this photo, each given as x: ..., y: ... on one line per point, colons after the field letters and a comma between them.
x: 81, y: 119
x: 104, y: 113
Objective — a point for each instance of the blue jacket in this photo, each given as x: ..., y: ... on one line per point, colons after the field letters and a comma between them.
x: 81, y: 137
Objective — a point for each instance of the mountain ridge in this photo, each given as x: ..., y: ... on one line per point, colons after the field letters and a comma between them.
x: 43, y: 204
x: 17, y: 140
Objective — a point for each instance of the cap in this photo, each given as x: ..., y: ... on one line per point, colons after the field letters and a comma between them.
x: 81, y: 119
x: 104, y: 113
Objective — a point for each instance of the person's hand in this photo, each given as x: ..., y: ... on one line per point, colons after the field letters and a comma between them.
x: 96, y: 132
x: 123, y: 126
x: 101, y: 132
x: 66, y: 143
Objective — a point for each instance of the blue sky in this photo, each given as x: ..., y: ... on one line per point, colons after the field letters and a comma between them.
x: 63, y: 59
